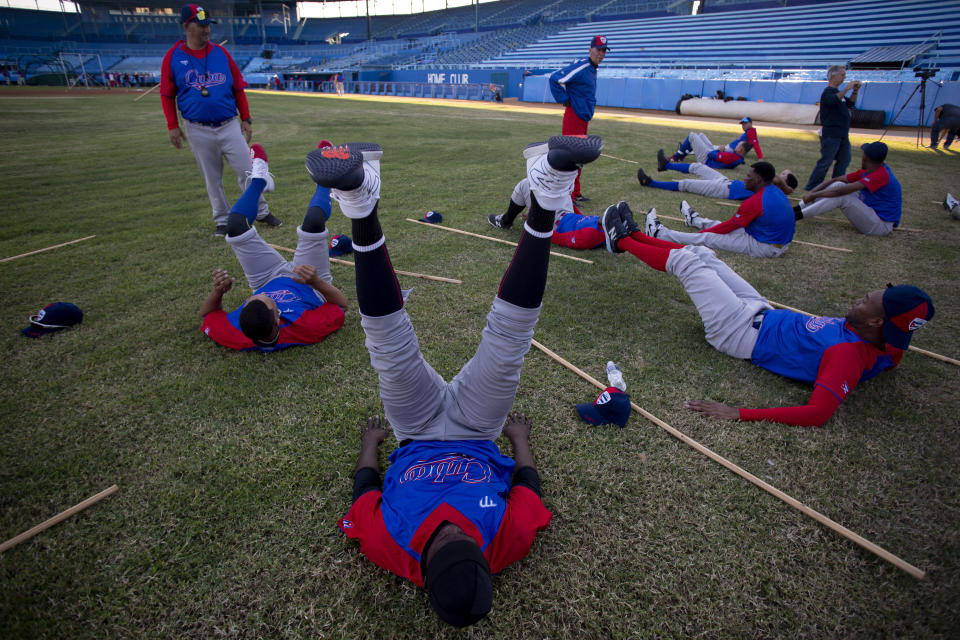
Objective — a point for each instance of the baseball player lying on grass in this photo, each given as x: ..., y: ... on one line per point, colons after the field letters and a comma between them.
x: 293, y: 303
x: 727, y: 157
x: 762, y: 227
x: 871, y: 198
x: 453, y: 510
x: 712, y: 183
x: 570, y: 229
x: 832, y: 354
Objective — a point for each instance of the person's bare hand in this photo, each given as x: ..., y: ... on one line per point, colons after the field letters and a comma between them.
x: 222, y: 282
x: 741, y: 148
x: 176, y: 137
x: 517, y: 426
x: 713, y: 409
x: 247, y: 130
x: 305, y: 273
x: 374, y: 432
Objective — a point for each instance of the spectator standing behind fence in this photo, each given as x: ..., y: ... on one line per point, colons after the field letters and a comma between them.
x: 340, y: 84
x: 835, y: 118
x: 205, y: 83
x: 575, y: 86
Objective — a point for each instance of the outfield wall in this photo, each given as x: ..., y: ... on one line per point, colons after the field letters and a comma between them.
x: 663, y: 93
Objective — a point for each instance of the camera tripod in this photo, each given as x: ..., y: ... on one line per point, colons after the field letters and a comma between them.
x: 924, y: 75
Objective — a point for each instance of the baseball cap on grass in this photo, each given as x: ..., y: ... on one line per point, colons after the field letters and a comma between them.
x: 53, y: 317
x: 195, y: 12
x: 599, y: 42
x: 611, y: 407
x: 459, y: 584
x: 876, y: 151
x: 340, y: 245
x: 433, y: 217
x: 907, y: 309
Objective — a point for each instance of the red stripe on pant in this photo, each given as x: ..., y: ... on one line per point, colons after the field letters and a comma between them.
x: 574, y: 126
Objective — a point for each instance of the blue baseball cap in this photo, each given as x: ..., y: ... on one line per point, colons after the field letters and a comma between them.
x: 746, y: 120
x: 53, y: 317
x: 907, y: 308
x: 340, y: 245
x: 433, y: 217
x: 611, y: 407
x: 195, y: 12
x: 876, y: 151
x: 599, y: 42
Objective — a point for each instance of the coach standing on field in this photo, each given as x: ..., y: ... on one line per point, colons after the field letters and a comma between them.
x: 205, y: 83
x: 835, y: 118
x: 575, y: 86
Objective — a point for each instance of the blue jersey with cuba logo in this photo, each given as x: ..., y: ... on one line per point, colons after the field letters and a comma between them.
x: 819, y: 350
x: 215, y: 70
x: 773, y: 219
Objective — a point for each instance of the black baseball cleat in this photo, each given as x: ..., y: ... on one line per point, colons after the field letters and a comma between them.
x: 271, y: 220
x: 569, y: 153
x: 221, y: 230
x: 626, y: 215
x: 613, y: 228
x: 643, y: 178
x: 497, y: 221
x: 336, y: 167
x: 661, y: 161
x: 581, y: 198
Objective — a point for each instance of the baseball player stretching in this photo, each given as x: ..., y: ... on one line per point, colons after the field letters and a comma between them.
x: 712, y: 183
x: 293, y: 303
x: 570, y: 229
x: 205, y: 83
x: 833, y: 354
x: 452, y: 509
x: 871, y: 198
x: 726, y: 157
x: 762, y: 227
x: 575, y: 87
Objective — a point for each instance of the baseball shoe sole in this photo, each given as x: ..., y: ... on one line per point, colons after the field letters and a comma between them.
x: 336, y: 167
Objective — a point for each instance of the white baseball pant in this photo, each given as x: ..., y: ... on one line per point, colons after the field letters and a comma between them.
x: 864, y: 218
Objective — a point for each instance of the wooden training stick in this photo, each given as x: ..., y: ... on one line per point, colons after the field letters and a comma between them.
x: 56, y: 246
x: 157, y: 86
x: 809, y: 244
x: 746, y: 475
x: 622, y: 159
x: 60, y: 517
x: 933, y: 355
x: 403, y: 273
x: 477, y: 235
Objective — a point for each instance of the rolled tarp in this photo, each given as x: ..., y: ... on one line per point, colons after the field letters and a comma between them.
x: 765, y: 111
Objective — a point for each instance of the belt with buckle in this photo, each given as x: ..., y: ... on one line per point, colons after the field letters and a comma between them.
x: 211, y: 124
x: 758, y: 319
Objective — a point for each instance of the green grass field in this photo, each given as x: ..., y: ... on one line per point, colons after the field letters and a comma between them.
x: 233, y: 468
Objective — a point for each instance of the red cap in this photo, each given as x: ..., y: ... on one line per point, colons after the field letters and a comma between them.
x: 599, y: 42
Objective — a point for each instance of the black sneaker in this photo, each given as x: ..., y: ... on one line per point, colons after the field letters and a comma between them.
x: 643, y: 178
x: 221, y: 230
x: 569, y: 153
x: 627, y: 216
x: 613, y: 229
x: 336, y: 167
x: 661, y: 161
x: 271, y: 220
x: 581, y: 198
x: 497, y: 221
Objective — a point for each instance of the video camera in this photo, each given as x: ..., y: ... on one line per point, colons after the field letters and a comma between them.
x: 924, y: 72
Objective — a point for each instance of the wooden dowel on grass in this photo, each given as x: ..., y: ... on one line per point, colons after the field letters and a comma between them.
x: 403, y: 273
x: 931, y: 354
x: 56, y: 246
x: 809, y: 244
x: 621, y: 159
x: 477, y: 235
x: 60, y: 517
x: 746, y: 475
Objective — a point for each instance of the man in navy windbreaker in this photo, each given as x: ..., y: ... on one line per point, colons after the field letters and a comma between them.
x: 575, y: 86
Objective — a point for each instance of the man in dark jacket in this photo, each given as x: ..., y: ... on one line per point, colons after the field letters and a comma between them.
x: 946, y: 123
x: 835, y: 118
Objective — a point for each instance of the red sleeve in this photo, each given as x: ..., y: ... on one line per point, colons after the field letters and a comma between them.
x: 219, y: 329
x: 170, y: 111
x: 728, y: 157
x: 747, y: 212
x: 754, y: 141
x: 525, y: 516
x: 314, y: 325
x: 168, y: 90
x: 853, y: 177
x: 838, y: 375
x: 875, y: 179
x: 238, y: 86
x: 364, y: 523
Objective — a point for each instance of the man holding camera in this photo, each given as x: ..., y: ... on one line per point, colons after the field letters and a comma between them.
x: 835, y: 117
